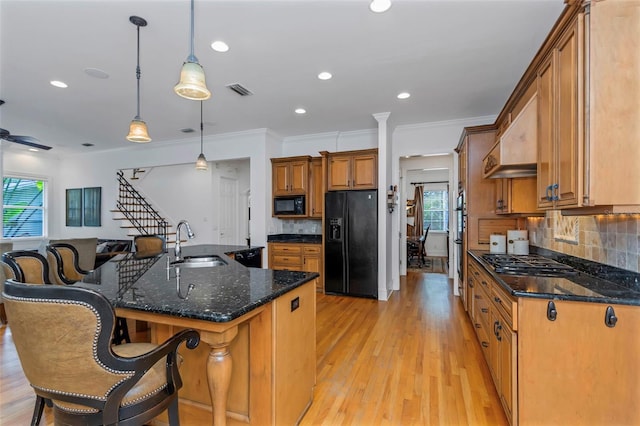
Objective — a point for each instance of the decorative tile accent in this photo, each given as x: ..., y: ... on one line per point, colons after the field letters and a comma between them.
x: 565, y: 228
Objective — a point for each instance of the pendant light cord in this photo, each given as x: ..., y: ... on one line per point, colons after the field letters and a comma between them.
x: 138, y: 74
x: 192, y: 56
x: 201, y: 130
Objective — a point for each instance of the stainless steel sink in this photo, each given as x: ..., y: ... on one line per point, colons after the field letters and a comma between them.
x: 198, y: 262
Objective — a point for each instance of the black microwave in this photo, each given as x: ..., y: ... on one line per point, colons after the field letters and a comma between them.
x: 294, y: 205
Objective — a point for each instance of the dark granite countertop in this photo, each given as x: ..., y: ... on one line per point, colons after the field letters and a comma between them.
x: 218, y: 294
x: 594, y: 282
x: 295, y: 238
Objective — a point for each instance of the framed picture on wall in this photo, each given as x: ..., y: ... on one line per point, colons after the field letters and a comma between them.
x: 73, y: 205
x: 92, y: 198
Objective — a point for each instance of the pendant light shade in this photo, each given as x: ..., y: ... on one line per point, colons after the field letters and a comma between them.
x: 192, y: 84
x: 201, y: 162
x: 138, y: 129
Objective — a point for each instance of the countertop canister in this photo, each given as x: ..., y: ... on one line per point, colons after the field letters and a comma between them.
x: 513, y: 235
x: 521, y: 247
x: 497, y: 243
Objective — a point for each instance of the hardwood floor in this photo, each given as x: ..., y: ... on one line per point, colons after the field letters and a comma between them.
x: 413, y: 360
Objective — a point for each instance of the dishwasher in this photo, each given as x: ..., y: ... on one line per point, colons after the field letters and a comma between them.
x: 251, y: 258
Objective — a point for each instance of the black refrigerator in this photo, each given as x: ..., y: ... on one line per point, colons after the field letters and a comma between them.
x: 351, y: 243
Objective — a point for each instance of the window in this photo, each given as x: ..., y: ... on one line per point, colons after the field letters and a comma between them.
x: 23, y: 207
x: 436, y: 210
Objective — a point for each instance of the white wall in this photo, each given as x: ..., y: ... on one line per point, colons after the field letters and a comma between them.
x: 432, y: 139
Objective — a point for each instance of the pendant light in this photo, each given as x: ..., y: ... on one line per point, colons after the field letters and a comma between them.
x: 201, y: 162
x: 192, y: 83
x: 138, y: 129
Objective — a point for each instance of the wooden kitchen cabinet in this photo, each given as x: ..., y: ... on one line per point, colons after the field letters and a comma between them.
x: 297, y: 257
x: 589, y: 112
x: 312, y: 262
x: 316, y: 192
x: 517, y: 196
x: 575, y: 370
x: 290, y: 175
x: 495, y: 321
x: 559, y: 134
x: 350, y: 170
x: 462, y: 167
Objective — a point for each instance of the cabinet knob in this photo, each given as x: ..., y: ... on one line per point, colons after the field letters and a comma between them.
x: 610, y: 318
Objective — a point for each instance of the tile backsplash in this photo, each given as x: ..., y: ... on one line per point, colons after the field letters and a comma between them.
x: 301, y: 226
x: 610, y: 239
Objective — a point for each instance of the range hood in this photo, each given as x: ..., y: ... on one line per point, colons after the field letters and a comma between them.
x: 515, y: 154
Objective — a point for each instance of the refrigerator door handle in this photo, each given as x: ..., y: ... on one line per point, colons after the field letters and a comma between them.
x: 345, y: 248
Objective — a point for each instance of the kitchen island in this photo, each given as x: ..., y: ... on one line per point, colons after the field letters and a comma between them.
x: 258, y: 364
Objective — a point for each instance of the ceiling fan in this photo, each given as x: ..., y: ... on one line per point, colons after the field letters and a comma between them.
x: 24, y: 140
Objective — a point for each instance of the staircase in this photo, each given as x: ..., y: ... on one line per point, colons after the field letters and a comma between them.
x: 137, y: 215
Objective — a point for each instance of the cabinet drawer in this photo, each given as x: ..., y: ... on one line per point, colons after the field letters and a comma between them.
x: 309, y: 249
x: 287, y: 260
x: 483, y: 339
x: 505, y: 304
x: 482, y: 304
x: 287, y: 249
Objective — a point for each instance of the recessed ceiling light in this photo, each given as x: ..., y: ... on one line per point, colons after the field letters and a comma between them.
x: 58, y: 83
x: 380, y: 6
x: 219, y: 46
x: 187, y: 130
x: 96, y: 73
x: 33, y: 150
x: 404, y: 95
x: 87, y: 144
x: 324, y: 75
x: 301, y: 111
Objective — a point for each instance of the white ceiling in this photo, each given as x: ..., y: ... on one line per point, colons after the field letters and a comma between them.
x: 458, y: 59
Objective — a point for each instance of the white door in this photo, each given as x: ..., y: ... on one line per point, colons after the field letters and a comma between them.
x: 229, y: 210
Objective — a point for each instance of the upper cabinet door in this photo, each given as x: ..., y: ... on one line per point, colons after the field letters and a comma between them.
x: 316, y: 196
x: 559, y: 139
x: 299, y: 171
x: 567, y: 140
x: 365, y: 172
x: 280, y: 178
x: 546, y: 134
x: 339, y: 172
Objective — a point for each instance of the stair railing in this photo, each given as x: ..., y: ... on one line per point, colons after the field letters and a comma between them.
x: 138, y: 211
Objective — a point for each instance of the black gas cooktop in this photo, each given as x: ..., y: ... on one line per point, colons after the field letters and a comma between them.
x: 531, y: 264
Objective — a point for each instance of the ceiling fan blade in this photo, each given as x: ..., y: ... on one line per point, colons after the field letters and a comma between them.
x: 26, y: 140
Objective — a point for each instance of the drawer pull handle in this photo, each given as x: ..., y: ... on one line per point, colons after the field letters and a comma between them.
x: 477, y: 325
x: 485, y: 310
x: 552, y: 313
x: 485, y: 344
x: 497, y: 300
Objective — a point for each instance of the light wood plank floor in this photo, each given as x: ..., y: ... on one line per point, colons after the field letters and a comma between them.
x: 413, y: 360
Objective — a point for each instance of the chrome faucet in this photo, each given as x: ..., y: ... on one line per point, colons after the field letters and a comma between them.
x: 190, y: 234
